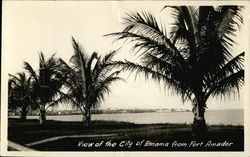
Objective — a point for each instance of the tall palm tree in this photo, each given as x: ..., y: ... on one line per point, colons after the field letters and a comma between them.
x: 88, y: 79
x: 194, y: 58
x: 19, y: 93
x: 46, y: 84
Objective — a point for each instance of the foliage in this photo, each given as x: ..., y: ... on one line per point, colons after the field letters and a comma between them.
x: 88, y: 78
x: 46, y: 82
x: 195, y: 57
x: 19, y: 87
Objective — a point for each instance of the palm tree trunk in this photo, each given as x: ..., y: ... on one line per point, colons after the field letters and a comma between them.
x: 42, y: 116
x: 199, y: 124
x: 23, y: 115
x: 87, y: 116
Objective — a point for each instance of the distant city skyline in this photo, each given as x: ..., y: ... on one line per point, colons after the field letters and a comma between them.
x: 30, y: 27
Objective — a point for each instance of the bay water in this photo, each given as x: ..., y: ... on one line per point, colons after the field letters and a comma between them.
x: 213, y: 117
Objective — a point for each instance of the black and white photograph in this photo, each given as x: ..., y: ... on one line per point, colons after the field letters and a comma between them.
x: 123, y: 77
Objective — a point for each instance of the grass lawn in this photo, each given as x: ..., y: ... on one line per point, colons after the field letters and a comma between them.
x: 130, y: 137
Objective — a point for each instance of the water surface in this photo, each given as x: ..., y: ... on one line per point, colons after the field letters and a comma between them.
x: 226, y: 117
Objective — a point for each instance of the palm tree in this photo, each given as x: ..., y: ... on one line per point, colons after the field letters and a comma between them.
x: 88, y: 80
x: 194, y: 58
x: 19, y: 93
x: 46, y: 84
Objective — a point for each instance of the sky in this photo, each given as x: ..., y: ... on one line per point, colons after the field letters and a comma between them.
x: 31, y: 27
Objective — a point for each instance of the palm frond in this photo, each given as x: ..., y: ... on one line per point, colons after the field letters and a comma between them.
x: 226, y: 85
x: 41, y: 60
x: 147, y: 45
x: 66, y: 98
x: 228, y: 20
x: 233, y: 65
x: 79, y: 56
x: 144, y: 21
x: 184, y: 25
x: 108, y: 57
x: 91, y: 59
x: 139, y: 69
x: 31, y: 71
x: 103, y: 87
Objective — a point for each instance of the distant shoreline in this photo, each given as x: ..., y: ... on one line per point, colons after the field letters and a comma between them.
x: 115, y: 111
x: 135, y: 112
x: 118, y: 111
